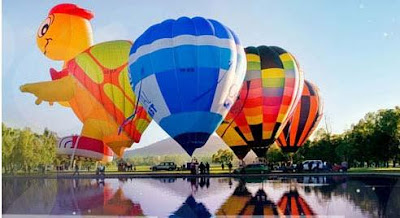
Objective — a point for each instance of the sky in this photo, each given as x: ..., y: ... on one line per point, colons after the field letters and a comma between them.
x: 349, y: 49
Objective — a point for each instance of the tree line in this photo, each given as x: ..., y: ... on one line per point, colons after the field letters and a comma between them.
x: 373, y: 141
x: 25, y: 150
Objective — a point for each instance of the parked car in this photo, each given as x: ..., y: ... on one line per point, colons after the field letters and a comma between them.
x: 316, y: 165
x: 164, y: 166
x: 287, y: 169
x: 340, y: 168
x: 252, y: 169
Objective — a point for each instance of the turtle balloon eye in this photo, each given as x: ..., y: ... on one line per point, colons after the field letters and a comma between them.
x: 44, y: 27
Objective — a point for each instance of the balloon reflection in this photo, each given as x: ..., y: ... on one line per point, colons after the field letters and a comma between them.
x: 241, y: 202
x: 291, y: 203
x: 79, y: 196
x: 191, y: 208
x: 349, y: 196
x: 120, y: 205
x: 234, y: 204
x: 87, y: 197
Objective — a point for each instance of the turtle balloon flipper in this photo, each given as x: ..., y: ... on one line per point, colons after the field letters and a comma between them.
x: 52, y: 91
x: 58, y: 75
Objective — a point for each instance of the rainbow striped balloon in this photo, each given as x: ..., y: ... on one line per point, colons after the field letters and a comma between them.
x: 271, y: 90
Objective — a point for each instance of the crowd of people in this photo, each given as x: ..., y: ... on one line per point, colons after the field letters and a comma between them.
x: 196, y: 168
x: 124, y: 167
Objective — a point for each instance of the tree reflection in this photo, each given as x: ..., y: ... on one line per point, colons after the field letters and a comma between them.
x: 22, y: 196
x: 370, y: 194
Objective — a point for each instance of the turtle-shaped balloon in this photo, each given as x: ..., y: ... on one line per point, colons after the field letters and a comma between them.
x: 102, y: 71
x: 94, y: 81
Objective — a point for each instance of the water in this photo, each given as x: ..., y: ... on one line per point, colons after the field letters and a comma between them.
x: 205, y: 197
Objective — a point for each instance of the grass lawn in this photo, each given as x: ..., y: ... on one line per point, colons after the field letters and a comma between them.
x: 146, y: 169
x: 376, y: 170
x: 214, y: 169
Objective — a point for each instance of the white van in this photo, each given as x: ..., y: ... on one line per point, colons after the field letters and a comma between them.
x: 315, y: 164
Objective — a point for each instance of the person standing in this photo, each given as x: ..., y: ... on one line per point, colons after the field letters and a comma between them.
x: 193, y: 168
x: 222, y: 166
x: 207, y: 168
x: 76, y: 170
x: 202, y: 168
x: 230, y: 166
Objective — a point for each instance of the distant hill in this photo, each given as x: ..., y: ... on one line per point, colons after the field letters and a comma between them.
x: 171, y: 147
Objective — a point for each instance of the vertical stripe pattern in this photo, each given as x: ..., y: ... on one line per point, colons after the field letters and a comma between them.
x: 271, y: 88
x: 292, y: 204
x: 187, y: 73
x: 304, y: 120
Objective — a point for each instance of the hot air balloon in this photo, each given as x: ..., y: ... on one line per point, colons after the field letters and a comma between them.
x: 87, y: 149
x: 94, y: 81
x: 304, y: 120
x: 187, y: 74
x: 270, y: 91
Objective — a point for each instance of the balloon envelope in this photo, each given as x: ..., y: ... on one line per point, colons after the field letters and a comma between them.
x: 304, y: 120
x: 187, y: 74
x: 271, y: 89
x: 105, y: 96
x: 94, y: 80
x: 87, y: 149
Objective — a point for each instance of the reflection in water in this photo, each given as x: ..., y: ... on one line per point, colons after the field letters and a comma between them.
x: 120, y: 205
x: 236, y: 202
x: 190, y: 208
x: 292, y: 203
x: 374, y: 195
x: 260, y: 205
x: 205, y: 197
x: 79, y: 196
x: 241, y: 202
x: 92, y: 198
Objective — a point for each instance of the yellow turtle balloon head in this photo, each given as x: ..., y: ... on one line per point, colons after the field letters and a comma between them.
x: 66, y: 32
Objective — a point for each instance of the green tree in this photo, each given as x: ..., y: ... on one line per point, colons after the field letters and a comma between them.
x: 222, y: 156
x: 23, y: 149
x: 275, y: 154
x: 9, y: 136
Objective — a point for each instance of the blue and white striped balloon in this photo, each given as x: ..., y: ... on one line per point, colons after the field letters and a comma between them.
x: 187, y: 74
